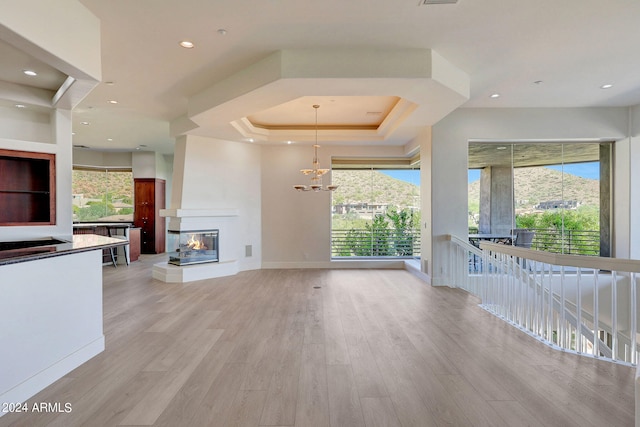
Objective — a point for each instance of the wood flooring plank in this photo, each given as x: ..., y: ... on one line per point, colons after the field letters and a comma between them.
x: 379, y: 412
x: 147, y: 411
x: 188, y: 400
x: 217, y: 403
x: 337, y: 351
x: 514, y: 414
x: 312, y: 408
x: 470, y: 403
x: 344, y: 401
x: 441, y: 404
x: 246, y: 409
x: 184, y: 340
x: 282, y: 394
x: 408, y: 404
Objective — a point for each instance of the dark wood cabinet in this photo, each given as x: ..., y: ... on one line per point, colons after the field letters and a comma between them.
x: 134, y: 244
x: 149, y: 195
x: 27, y: 188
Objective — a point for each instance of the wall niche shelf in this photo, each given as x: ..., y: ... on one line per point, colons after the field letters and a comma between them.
x: 27, y: 188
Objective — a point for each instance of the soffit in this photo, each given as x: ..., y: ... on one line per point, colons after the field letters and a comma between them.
x: 14, y: 61
x: 415, y: 87
x: 531, y: 154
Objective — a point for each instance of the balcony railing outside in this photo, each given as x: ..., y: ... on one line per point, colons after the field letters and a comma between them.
x: 375, y: 243
x: 570, y: 242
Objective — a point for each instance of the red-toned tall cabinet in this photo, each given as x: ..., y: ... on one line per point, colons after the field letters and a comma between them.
x: 149, y: 195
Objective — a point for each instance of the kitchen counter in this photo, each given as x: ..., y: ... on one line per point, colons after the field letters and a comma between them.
x: 15, y: 252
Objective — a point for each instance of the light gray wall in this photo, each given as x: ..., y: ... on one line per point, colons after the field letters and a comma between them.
x: 296, y: 226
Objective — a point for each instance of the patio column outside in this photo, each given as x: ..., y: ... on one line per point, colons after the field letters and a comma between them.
x: 496, y: 200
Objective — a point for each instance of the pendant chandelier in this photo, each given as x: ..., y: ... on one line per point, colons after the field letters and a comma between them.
x: 316, y: 173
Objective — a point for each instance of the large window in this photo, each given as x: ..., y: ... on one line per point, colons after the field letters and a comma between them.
x: 550, y: 196
x: 102, y: 195
x: 375, y: 210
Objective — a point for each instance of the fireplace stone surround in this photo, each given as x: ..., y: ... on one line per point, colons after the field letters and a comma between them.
x: 223, y: 220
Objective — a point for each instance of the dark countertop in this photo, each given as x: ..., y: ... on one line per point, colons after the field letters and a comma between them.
x: 102, y: 224
x: 55, y: 247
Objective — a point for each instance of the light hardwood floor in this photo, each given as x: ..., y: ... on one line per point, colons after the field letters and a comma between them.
x: 366, y: 348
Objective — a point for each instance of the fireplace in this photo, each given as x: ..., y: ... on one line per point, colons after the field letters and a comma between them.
x: 193, y: 247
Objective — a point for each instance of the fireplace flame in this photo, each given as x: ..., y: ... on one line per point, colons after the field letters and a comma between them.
x: 195, y: 244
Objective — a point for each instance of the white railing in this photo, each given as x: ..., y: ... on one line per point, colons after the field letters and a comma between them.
x: 581, y: 304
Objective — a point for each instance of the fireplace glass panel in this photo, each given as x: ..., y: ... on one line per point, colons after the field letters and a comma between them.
x: 193, y: 247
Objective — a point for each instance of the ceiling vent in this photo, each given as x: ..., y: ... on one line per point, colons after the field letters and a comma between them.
x: 428, y: 2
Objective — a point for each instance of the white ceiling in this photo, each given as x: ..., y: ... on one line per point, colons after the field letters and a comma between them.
x: 572, y: 47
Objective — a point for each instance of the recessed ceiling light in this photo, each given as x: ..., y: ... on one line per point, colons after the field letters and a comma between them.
x: 501, y: 148
x: 112, y: 101
x: 109, y: 139
x: 495, y: 95
x: 251, y: 140
x: 289, y: 142
x: 187, y: 44
x: 222, y: 32
x: 30, y: 73
x: 84, y: 123
x: 109, y: 83
x: 606, y: 86
x: 20, y: 106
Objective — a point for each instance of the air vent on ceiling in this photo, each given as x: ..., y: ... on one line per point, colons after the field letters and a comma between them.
x: 79, y: 146
x: 428, y: 2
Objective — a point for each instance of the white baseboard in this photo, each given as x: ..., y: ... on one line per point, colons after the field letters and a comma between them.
x: 414, y: 268
x: 358, y: 263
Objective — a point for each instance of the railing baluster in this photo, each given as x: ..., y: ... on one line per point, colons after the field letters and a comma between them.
x: 550, y: 310
x: 633, y: 319
x: 578, y: 312
x: 614, y: 315
x: 562, y: 328
x: 596, y: 311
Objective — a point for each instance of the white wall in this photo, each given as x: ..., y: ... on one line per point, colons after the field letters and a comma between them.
x: 629, y: 156
x: 83, y: 157
x: 25, y: 124
x: 216, y: 174
x: 450, y: 149
x: 296, y: 226
x: 426, y: 194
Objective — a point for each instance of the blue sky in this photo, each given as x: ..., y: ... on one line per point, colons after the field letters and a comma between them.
x: 589, y: 170
x: 411, y: 175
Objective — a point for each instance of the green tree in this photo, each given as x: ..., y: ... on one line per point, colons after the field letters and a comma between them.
x: 94, y: 211
x: 402, y: 233
x: 562, y: 229
x: 380, y: 236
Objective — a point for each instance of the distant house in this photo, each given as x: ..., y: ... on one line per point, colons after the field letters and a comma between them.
x: 360, y: 208
x: 558, y: 204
